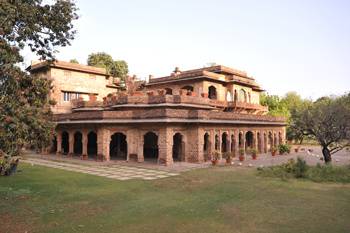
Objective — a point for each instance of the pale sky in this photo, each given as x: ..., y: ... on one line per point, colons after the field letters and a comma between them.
x: 294, y: 45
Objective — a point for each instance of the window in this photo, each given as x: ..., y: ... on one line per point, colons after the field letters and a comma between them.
x: 212, y: 92
x: 68, y: 96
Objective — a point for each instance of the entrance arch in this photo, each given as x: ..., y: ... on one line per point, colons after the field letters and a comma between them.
x: 92, y: 144
x: 249, y: 137
x: 118, y: 147
x: 78, y: 143
x: 178, y: 147
x: 150, y: 146
x: 65, y: 143
x: 206, y: 146
x: 224, y: 142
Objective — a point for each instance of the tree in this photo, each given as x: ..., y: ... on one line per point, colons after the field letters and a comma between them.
x: 75, y: 61
x: 327, y: 119
x: 276, y: 106
x: 25, y: 116
x: 118, y: 68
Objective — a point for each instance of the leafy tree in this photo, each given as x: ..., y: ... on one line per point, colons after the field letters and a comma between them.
x: 276, y: 106
x: 24, y: 106
x: 327, y: 119
x: 118, y: 68
x: 75, y: 61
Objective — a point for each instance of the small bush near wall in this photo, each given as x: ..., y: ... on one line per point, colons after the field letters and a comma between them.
x: 299, y: 169
x: 284, y: 149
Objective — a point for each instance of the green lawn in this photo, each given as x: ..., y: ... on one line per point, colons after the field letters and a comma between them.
x: 220, y: 199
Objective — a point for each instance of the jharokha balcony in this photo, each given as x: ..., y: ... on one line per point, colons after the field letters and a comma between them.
x: 161, y: 99
x: 158, y: 105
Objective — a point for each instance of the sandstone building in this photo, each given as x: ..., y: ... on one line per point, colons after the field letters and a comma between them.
x: 181, y: 117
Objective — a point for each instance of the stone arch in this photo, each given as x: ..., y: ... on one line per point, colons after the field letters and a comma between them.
x: 118, y: 146
x: 224, y: 142
x: 78, y: 143
x: 92, y: 144
x: 212, y: 94
x: 168, y: 91
x: 206, y: 146
x: 242, y: 96
x: 65, y: 142
x: 249, y: 139
x: 178, y: 147
x: 150, y: 145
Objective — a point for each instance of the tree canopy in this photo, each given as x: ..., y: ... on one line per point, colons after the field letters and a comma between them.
x: 116, y: 68
x: 24, y: 105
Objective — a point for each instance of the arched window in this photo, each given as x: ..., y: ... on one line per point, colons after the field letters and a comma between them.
x: 168, y: 91
x: 212, y: 93
x: 242, y: 96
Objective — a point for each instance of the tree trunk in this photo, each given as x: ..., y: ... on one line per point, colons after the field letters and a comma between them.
x: 326, y: 155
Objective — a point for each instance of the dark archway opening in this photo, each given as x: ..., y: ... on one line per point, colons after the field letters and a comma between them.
x: 240, y: 140
x: 150, y: 146
x: 178, y: 147
x: 212, y: 93
x: 249, y: 139
x: 78, y: 143
x: 92, y: 144
x: 233, y: 142
x: 65, y: 143
x: 118, y: 147
x: 260, y: 149
x: 224, y: 142
x: 168, y: 91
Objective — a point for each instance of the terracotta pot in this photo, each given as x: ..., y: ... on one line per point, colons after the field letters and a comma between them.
x: 296, y: 150
x: 214, y: 162
x: 273, y: 153
x: 228, y: 160
x: 254, y: 156
x: 241, y: 158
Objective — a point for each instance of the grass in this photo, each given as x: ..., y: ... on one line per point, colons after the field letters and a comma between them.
x: 220, y: 199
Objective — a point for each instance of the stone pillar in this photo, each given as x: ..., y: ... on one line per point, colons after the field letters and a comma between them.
x: 85, y: 144
x: 200, y: 144
x: 140, y: 156
x: 256, y: 141
x: 71, y: 143
x: 165, y: 144
x: 212, y: 144
x: 243, y: 141
x: 103, y: 141
x: 236, y: 142
x: 59, y: 143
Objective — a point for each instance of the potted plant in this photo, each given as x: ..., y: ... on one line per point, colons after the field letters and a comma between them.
x: 253, y: 152
x: 283, y: 148
x: 228, y: 156
x: 215, y: 158
x: 296, y: 149
x: 273, y: 151
x: 241, y: 154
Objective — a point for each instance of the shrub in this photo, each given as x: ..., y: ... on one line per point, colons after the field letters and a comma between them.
x: 299, y: 169
x: 228, y: 155
x: 284, y: 148
x: 241, y: 151
x: 216, y: 155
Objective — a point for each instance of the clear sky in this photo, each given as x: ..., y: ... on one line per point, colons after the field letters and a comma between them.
x: 294, y: 45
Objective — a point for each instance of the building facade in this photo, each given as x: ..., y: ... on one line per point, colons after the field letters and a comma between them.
x: 181, y: 117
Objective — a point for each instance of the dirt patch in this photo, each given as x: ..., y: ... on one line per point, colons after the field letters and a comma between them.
x: 14, y: 224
